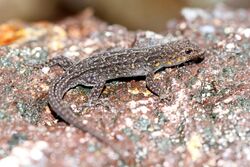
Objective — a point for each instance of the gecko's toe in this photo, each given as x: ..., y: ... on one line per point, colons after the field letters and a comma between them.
x: 166, y: 98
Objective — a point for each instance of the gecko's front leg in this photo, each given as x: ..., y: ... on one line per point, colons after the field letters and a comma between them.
x: 64, y: 62
x: 155, y: 88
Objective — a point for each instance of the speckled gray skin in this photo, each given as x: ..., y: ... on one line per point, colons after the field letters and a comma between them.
x: 96, y: 70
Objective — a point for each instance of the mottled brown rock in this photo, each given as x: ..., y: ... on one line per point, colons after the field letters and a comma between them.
x: 206, y: 123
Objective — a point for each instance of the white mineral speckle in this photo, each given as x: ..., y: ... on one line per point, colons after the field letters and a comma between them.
x: 228, y: 30
x: 45, y: 70
x: 36, y: 154
x: 9, y: 161
x: 238, y: 37
x: 246, y: 151
x: 132, y: 104
x: 207, y: 29
x: 156, y: 134
x: 28, y: 154
x: 89, y: 49
x: 230, y: 46
x: 119, y: 137
x: 139, y: 106
x: 246, y: 32
x: 129, y: 122
x: 192, y: 14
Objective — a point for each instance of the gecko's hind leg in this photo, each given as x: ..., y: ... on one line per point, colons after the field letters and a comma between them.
x: 94, y: 96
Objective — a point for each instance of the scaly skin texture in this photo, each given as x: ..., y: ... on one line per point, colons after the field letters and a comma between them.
x: 97, y: 69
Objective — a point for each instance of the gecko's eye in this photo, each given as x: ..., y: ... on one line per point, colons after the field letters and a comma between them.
x: 188, y: 51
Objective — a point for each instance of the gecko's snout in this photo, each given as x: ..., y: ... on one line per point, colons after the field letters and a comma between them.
x: 201, y: 54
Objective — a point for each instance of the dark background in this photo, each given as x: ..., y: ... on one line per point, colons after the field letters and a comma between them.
x: 134, y: 14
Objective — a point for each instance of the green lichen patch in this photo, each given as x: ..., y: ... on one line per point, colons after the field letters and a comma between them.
x: 243, y: 103
x: 16, y: 138
x: 30, y: 111
x: 131, y: 135
x: 143, y: 124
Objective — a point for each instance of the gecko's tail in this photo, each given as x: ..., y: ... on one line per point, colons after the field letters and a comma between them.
x: 56, y: 93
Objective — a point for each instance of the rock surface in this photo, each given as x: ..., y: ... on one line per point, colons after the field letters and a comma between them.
x: 206, y: 123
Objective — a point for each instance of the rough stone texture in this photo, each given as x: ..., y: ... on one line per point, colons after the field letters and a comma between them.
x: 207, y: 122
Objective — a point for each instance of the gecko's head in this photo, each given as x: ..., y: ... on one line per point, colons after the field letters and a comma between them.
x: 183, y: 51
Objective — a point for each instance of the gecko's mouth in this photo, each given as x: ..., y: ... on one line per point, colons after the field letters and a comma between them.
x: 199, y: 57
x: 201, y: 54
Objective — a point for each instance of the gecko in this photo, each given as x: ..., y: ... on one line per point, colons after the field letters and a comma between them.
x: 99, y: 68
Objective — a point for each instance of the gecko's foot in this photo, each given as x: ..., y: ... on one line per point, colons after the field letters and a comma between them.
x: 62, y: 61
x: 103, y: 101
x: 166, y: 98
x: 87, y: 105
x: 91, y: 103
x: 35, y: 66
